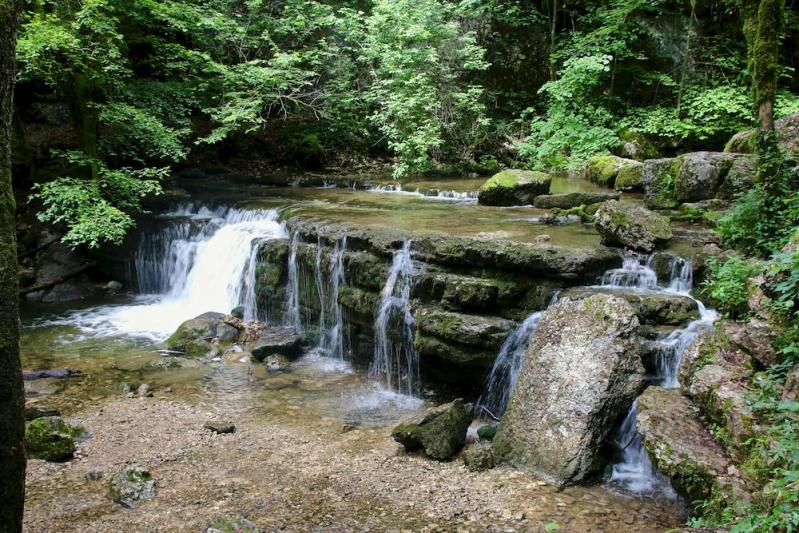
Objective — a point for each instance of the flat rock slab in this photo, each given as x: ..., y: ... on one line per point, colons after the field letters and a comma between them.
x: 651, y: 307
x: 60, y: 373
x: 474, y: 330
x: 681, y: 448
x: 572, y: 199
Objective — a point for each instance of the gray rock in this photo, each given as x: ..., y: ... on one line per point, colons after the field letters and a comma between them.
x: 131, y: 485
x: 685, y: 451
x: 787, y: 128
x: 144, y: 390
x: 277, y: 363
x: 196, y: 337
x: 439, y: 431
x: 631, y: 226
x: 582, y: 371
x: 277, y: 341
x: 651, y: 308
x: 220, y: 428
x: 513, y: 187
x: 572, y: 199
x: 238, y: 312
x: 756, y: 338
x: 113, y: 286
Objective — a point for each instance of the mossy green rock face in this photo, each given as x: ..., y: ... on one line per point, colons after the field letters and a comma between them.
x: 631, y: 226
x: 440, y: 431
x: 51, y: 439
x: 581, y: 372
x: 683, y: 450
x: 513, y: 187
x: 478, y: 457
x: 487, y: 432
x: 193, y: 337
x: 630, y: 178
x: 131, y: 485
x: 604, y: 169
x: 572, y: 199
x: 660, y: 176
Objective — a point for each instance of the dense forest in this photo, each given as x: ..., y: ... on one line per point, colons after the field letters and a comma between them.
x: 117, y: 103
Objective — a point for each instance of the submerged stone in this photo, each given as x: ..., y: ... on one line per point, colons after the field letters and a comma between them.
x: 572, y: 199
x: 513, y: 187
x: 631, y: 226
x: 131, y: 485
x: 51, y: 438
x: 439, y: 431
x: 581, y: 372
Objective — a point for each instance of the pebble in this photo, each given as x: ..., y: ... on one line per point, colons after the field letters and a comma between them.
x: 220, y: 428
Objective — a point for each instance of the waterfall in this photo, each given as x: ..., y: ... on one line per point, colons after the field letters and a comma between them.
x: 505, y: 372
x: 249, y: 300
x: 396, y: 363
x: 200, y: 261
x: 292, y: 308
x: 635, y: 471
x: 320, y: 283
x: 331, y: 341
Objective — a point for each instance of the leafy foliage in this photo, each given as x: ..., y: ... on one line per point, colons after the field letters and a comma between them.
x: 727, y: 284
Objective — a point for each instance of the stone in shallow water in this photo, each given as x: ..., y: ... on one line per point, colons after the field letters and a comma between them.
x: 131, y: 485
x: 284, y: 341
x: 572, y: 199
x: 51, y: 438
x: 631, y: 226
x: 439, y: 431
x: 196, y: 337
x: 478, y: 457
x: 582, y: 371
x: 513, y: 187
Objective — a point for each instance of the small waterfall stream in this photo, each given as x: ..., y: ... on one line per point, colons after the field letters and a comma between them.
x: 396, y: 362
x: 292, y: 308
x: 332, y: 337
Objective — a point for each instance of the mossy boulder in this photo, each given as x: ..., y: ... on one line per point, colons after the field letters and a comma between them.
x: 478, y: 457
x: 439, y: 431
x: 51, y: 438
x: 651, y: 308
x: 276, y: 340
x: 787, y: 128
x: 604, y: 169
x: 474, y: 330
x: 196, y: 337
x: 131, y: 485
x: 513, y: 187
x: 487, y: 432
x: 631, y: 226
x: 581, y: 372
x: 636, y: 146
x: 572, y: 199
x: 630, y: 178
x: 659, y: 177
x: 685, y: 451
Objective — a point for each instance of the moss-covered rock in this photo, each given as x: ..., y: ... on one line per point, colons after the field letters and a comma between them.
x: 787, y: 128
x: 630, y: 178
x: 572, y: 199
x: 636, y: 145
x: 195, y: 337
x: 604, y: 169
x: 487, y: 432
x: 581, y: 372
x: 683, y: 450
x: 473, y: 330
x: 439, y: 431
x: 631, y: 226
x: 131, y: 485
x: 660, y: 177
x: 478, y: 457
x: 51, y: 438
x: 651, y: 308
x: 513, y: 187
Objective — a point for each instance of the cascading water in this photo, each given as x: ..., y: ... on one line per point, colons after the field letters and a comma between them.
x: 396, y: 362
x: 320, y: 283
x: 505, y: 372
x: 432, y: 194
x: 248, y: 300
x: 197, y: 263
x: 331, y: 342
x: 635, y: 471
x: 292, y: 310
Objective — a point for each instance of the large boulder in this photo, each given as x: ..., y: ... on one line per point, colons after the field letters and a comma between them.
x: 695, y: 177
x: 654, y: 308
x: 439, y: 431
x: 51, y: 438
x: 572, y: 199
x: 683, y: 450
x: 513, y: 187
x: 285, y: 341
x: 787, y: 128
x: 631, y: 226
x: 582, y: 371
x: 196, y: 337
x: 605, y: 170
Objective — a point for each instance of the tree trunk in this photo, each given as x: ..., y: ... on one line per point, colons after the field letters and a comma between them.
x: 766, y: 59
x: 12, y: 420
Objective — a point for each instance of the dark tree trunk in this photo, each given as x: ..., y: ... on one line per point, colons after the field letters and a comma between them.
x: 766, y: 59
x: 12, y: 421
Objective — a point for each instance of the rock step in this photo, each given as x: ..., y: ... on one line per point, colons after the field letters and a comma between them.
x: 682, y: 449
x: 651, y: 307
x: 572, y: 199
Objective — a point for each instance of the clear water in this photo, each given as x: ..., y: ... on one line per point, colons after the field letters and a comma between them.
x: 332, y: 341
